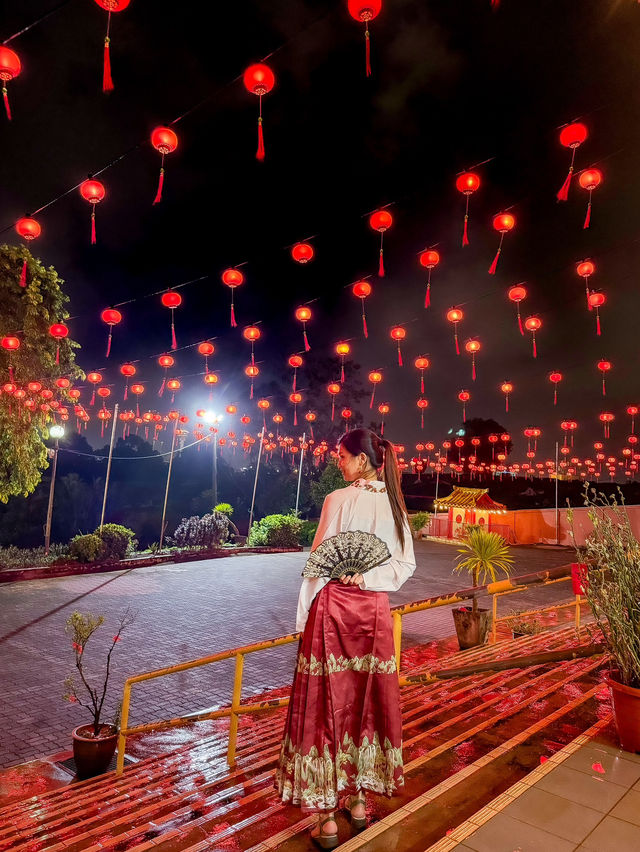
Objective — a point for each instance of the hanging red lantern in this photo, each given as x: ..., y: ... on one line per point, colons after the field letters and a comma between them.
x: 596, y: 300
x: 111, y: 317
x: 103, y: 393
x: 533, y: 324
x: 94, y: 192
x: 342, y: 350
x: 295, y: 361
x: 472, y: 347
x: 232, y: 278
x: 467, y: 183
x: 346, y: 414
x: 381, y: 221
x: 259, y: 79
x: 503, y: 223
x: 303, y: 314
x: 517, y: 294
x: 173, y: 385
x: 210, y: 379
x: 251, y: 333
x: 264, y: 405
x: 422, y: 404
x: 607, y: 419
x: 464, y: 397
x: 384, y: 408
x: 333, y: 388
x: 604, y: 367
x: 63, y: 383
x: 375, y: 377
x: 110, y: 6
x: 128, y: 371
x: 506, y: 388
x: 589, y: 179
x: 252, y: 372
x: 421, y: 363
x: 365, y: 11
x: 362, y: 289
x: 429, y: 259
x: 206, y: 349
x: 58, y: 331
x: 555, y: 377
x: 571, y: 136
x: 165, y: 141
x: 94, y: 378
x: 28, y: 229
x: 398, y: 333
x: 10, y: 68
x: 302, y: 252
x: 10, y: 343
x: 455, y: 315
x: 172, y: 300
x: 295, y: 398
x: 165, y: 361
x: 138, y: 390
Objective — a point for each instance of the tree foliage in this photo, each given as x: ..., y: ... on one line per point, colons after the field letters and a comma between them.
x: 27, y: 313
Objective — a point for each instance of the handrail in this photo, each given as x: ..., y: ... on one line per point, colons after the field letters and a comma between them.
x: 236, y: 709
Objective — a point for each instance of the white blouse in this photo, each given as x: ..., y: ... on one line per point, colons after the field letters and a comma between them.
x: 362, y: 505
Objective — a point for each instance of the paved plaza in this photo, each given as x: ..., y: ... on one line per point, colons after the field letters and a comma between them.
x: 183, y: 612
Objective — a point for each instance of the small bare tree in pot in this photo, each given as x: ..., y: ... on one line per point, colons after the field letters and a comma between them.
x: 93, y: 744
x: 483, y: 555
x: 613, y: 594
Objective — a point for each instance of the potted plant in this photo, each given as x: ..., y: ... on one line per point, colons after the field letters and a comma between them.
x: 520, y: 625
x: 483, y: 555
x: 94, y: 744
x: 613, y: 594
x: 418, y: 522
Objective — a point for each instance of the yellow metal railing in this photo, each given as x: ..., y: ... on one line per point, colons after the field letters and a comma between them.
x: 496, y: 590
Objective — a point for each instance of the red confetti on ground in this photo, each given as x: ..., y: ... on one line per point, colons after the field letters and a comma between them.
x: 598, y: 767
x: 543, y: 759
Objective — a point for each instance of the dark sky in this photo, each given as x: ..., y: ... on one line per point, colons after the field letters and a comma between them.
x: 453, y: 85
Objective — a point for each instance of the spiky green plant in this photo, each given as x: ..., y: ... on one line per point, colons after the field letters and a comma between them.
x: 483, y: 555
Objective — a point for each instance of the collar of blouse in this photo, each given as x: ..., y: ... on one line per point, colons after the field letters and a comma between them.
x: 370, y: 485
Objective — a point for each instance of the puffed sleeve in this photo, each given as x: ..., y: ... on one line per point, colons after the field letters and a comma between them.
x: 393, y: 573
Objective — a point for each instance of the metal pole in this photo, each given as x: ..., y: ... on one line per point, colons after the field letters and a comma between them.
x: 106, y: 480
x: 255, y: 482
x: 300, y: 470
x: 166, y: 490
x: 47, y: 532
x: 435, y: 501
x: 557, y: 508
x: 215, y: 468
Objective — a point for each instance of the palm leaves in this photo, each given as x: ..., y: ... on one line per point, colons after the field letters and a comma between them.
x: 483, y: 555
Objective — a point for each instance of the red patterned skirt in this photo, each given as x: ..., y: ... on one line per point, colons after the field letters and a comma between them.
x: 344, y: 726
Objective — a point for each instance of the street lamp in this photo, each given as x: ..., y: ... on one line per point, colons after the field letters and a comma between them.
x: 212, y: 417
x: 57, y: 432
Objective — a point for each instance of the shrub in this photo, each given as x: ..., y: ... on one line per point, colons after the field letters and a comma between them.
x: 211, y: 530
x: 117, y: 540
x: 419, y: 520
x: 307, y: 533
x: 31, y: 557
x: 86, y: 548
x: 224, y: 508
x: 275, y: 531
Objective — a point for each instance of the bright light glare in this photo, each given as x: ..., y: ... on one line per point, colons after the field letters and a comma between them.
x: 57, y: 431
x: 212, y: 417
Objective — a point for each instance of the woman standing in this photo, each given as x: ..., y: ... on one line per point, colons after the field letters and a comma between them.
x: 343, y: 733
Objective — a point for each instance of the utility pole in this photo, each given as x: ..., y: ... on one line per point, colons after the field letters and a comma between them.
x: 106, y: 480
x: 300, y: 470
x: 255, y: 482
x: 166, y: 490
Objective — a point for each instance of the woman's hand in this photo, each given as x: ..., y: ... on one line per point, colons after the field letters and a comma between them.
x: 351, y: 579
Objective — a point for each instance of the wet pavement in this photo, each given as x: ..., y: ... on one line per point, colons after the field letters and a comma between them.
x: 183, y: 612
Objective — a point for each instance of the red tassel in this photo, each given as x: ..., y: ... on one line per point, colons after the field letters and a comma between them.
x: 161, y: 391
x: 473, y: 370
x: 520, y: 321
x: 422, y: 419
x: 107, y: 82
x: 364, y: 324
x: 598, y: 324
x: 465, y: 232
x: 306, y: 342
x: 457, y: 344
x: 373, y: 393
x: 11, y: 373
x: 93, y: 397
x: 342, y: 374
x: 260, y: 151
x: 587, y: 218
x: 58, y: 354
x: 5, y: 97
x: 251, y: 391
x: 23, y: 275
x: 381, y: 265
x: 427, y: 296
x: 604, y: 388
x: 234, y: 324
x: 494, y: 265
x: 109, y: 342
x: 382, y: 429
x: 367, y: 50
x: 93, y: 227
x: 158, y: 197
x: 464, y: 413
x: 137, y: 414
x: 506, y: 404
x: 126, y: 390
x: 421, y: 384
x: 295, y: 416
x: 563, y: 192
x: 535, y: 350
x: 333, y: 407
x: 174, y: 342
x: 555, y: 397
x: 294, y: 381
x: 399, y: 356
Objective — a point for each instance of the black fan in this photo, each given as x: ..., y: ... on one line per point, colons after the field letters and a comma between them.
x: 352, y: 552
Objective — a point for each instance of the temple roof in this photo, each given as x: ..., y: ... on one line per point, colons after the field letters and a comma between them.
x: 469, y: 498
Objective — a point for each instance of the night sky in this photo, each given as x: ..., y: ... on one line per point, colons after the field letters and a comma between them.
x: 453, y: 85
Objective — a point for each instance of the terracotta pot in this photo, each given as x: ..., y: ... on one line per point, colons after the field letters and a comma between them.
x: 626, y: 711
x: 92, y: 755
x: 472, y: 628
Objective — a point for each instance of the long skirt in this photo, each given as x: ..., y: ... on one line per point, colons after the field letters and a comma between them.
x: 344, y: 725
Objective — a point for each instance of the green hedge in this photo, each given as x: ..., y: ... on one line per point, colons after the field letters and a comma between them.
x: 275, y: 531
x: 117, y: 540
x: 86, y: 548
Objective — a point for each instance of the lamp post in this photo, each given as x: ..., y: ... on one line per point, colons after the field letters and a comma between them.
x: 212, y: 417
x: 56, y: 432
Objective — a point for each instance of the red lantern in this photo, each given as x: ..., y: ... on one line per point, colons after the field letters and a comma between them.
x: 28, y: 229
x: 533, y: 324
x: 231, y: 409
x: 137, y: 389
x: 302, y: 252
x: 173, y: 385
x: 384, y: 408
x: 165, y: 141
x: 362, y: 289
x: 252, y: 372
x: 398, y: 333
x: 467, y: 183
x: 172, y: 300
x: 455, y: 315
x: 10, y: 67
x: 632, y: 411
x: 110, y: 6
x: 607, y: 419
x: 295, y: 398
x: 517, y: 294
x: 503, y: 223
x: 295, y: 361
x: 10, y: 343
x: 571, y: 136
x: 365, y: 11
x: 111, y: 317
x: 555, y: 377
x: 381, y: 221
x: 303, y: 314
x: 585, y: 269
x: 596, y: 300
x: 128, y: 371
x: 93, y: 192
x: 375, y: 378
x: 464, y: 397
x: 506, y: 388
x: 422, y: 404
x: 429, y: 259
x: 59, y: 332
x: 333, y: 388
x: 165, y: 362
x: 210, y: 379
x: 342, y: 349
x: 251, y: 333
x: 259, y: 79
x: 421, y: 363
x: 590, y: 179
x: 604, y: 367
x: 346, y: 414
x: 473, y: 346
x: 232, y: 278
x: 206, y: 349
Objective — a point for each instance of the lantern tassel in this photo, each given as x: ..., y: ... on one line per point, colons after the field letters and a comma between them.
x: 58, y: 354
x: 464, y: 413
x: 158, y: 197
x: 427, y: 296
x: 604, y: 387
x: 563, y: 192
x: 161, y: 391
x: 23, y: 275
x: 333, y: 408
x: 5, y: 98
x: 251, y: 391
x: 367, y: 49
x: 421, y: 384
x: 93, y: 226
x: 294, y: 381
x: 126, y: 390
x: 306, y: 341
x: 234, y: 324
x: 465, y: 232
x: 11, y: 373
x: 381, y: 265
x: 382, y: 429
x: 455, y: 337
x: 373, y: 393
x: 399, y: 356
x: 587, y: 218
x: 494, y: 265
x: 107, y: 81
x: 109, y: 342
x: 495, y: 4
x: 137, y: 414
x: 174, y: 342
x: 555, y: 398
x: 597, y: 323
x: 506, y: 404
x: 364, y: 323
x: 422, y: 419
x: 473, y: 370
x: 520, y: 321
x: 260, y: 152
x: 342, y: 374
x: 93, y: 397
x: 535, y: 349
x: 295, y: 416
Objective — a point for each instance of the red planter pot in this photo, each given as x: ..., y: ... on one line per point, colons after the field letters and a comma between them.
x: 92, y: 755
x: 626, y: 710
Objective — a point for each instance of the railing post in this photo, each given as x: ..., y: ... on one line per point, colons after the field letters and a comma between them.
x: 494, y: 625
x: 235, y: 703
x: 397, y: 637
x: 577, y: 612
x: 124, y: 721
